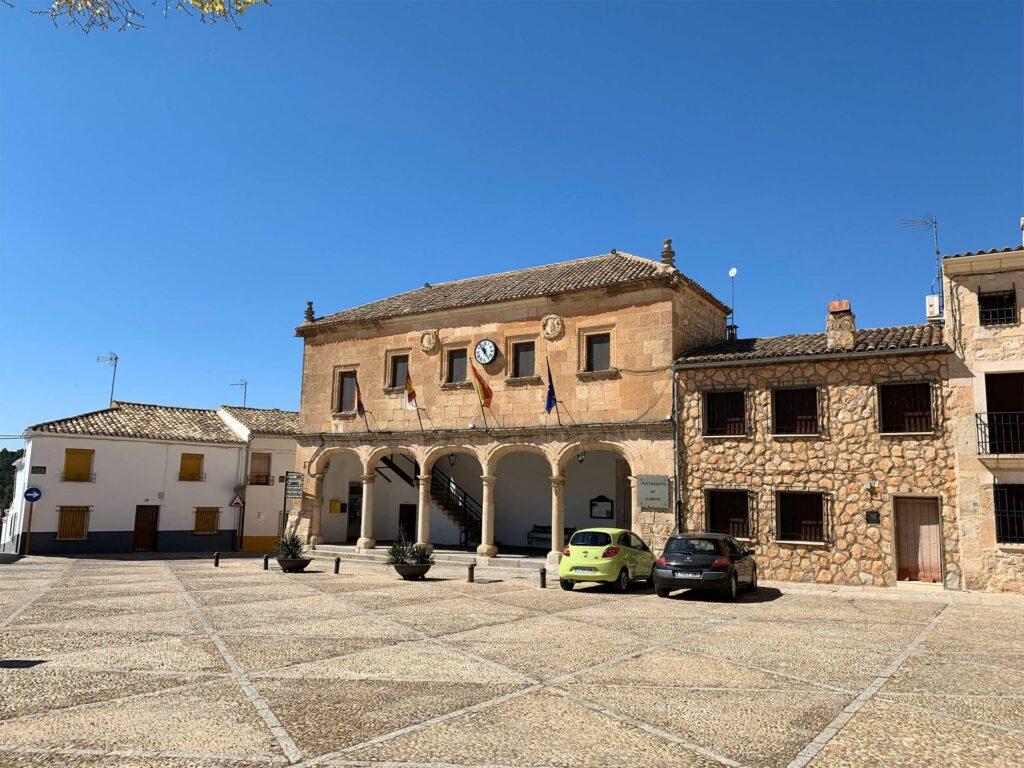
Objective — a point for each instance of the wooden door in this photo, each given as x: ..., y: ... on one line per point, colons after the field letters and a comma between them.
x: 407, y: 522
x: 145, y: 528
x: 918, y: 540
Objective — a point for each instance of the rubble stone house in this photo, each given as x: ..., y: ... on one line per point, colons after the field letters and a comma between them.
x: 847, y: 456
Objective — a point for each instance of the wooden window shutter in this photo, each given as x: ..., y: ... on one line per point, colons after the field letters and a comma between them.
x: 72, y: 523
x: 260, y: 464
x: 191, y: 466
x: 78, y: 464
x: 207, y: 520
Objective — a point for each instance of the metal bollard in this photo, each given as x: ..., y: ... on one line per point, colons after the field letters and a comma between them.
x: 472, y: 572
x: 266, y: 562
x: 216, y: 559
x: 337, y: 564
x: 543, y: 578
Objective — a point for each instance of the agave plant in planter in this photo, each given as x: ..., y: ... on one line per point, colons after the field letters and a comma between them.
x: 411, y: 561
x: 291, y: 554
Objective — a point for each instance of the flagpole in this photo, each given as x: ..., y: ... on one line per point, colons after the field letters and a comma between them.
x: 551, y: 387
x: 484, y: 414
x: 420, y: 419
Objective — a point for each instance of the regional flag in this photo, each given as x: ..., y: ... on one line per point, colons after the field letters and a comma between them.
x: 482, y: 390
x: 359, y: 399
x: 410, y: 393
x: 552, y: 401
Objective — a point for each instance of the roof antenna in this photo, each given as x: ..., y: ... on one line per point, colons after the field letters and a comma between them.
x: 933, y: 223
x: 731, y: 327
x: 245, y: 389
x: 112, y: 359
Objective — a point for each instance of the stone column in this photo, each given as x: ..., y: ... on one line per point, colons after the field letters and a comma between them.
x: 423, y: 511
x: 487, y: 548
x: 557, y: 519
x: 316, y: 524
x: 634, y: 523
x: 366, y: 540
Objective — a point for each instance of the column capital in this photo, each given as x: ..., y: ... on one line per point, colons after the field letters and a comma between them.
x: 424, y: 478
x: 488, y: 479
x: 557, y: 481
x: 369, y: 478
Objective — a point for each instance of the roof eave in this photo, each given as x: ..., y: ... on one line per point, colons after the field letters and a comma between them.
x: 677, y: 366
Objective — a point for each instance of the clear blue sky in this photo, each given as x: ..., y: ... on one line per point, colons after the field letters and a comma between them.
x: 177, y: 194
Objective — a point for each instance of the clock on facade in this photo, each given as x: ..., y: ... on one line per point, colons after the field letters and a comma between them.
x: 485, y: 351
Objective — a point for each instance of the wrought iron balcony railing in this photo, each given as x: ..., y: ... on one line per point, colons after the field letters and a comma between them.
x: 1000, y: 433
x: 77, y: 477
x: 259, y: 479
x: 192, y: 477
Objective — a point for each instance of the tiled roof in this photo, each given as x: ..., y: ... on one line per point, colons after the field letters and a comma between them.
x: 983, y: 251
x: 264, y: 421
x: 607, y: 270
x: 901, y: 337
x: 140, y: 420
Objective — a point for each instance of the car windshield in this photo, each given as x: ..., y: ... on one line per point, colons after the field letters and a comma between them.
x: 590, y: 539
x: 693, y: 546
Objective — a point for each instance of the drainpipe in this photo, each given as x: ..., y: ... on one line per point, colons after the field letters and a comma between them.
x: 677, y: 491
x: 245, y: 484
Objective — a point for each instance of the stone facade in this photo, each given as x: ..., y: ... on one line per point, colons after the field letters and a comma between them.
x: 626, y: 409
x: 850, y: 461
x: 979, y: 350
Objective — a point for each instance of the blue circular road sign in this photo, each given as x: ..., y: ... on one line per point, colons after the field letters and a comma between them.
x: 33, y: 494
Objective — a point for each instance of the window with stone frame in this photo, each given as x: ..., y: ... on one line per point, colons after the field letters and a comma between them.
x: 345, y: 397
x: 523, y: 359
x: 457, y: 366
x: 795, y: 411
x: 998, y: 307
x: 725, y: 413
x: 728, y: 512
x: 598, y: 351
x: 800, y: 516
x: 1009, y: 512
x: 398, y: 369
x: 905, y: 408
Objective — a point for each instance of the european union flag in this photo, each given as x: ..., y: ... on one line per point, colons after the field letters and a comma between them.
x: 552, y: 400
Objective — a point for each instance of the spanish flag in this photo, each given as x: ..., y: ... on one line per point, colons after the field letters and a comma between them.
x: 410, y: 393
x: 482, y: 390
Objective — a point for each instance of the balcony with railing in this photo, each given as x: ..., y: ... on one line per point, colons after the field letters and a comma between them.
x: 192, y: 477
x: 1000, y: 433
x: 77, y: 477
x: 260, y: 479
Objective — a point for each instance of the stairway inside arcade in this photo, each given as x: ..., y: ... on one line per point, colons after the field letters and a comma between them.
x: 452, y: 499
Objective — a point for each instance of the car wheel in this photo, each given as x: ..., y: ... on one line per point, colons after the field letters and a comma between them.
x: 662, y: 591
x: 566, y: 584
x: 733, y: 589
x: 622, y: 582
x: 753, y: 580
x: 650, y: 579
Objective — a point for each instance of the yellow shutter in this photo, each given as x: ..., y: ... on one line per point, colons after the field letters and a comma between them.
x: 191, y: 466
x: 207, y: 519
x: 78, y: 465
x: 72, y: 523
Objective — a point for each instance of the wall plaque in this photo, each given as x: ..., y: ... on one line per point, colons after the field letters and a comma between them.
x: 652, y: 491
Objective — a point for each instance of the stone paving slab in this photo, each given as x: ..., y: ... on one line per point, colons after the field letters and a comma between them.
x: 176, y: 663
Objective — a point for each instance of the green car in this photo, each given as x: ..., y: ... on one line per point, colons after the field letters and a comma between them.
x: 612, y: 555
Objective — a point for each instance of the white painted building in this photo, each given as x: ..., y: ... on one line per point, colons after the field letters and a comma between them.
x: 138, y: 477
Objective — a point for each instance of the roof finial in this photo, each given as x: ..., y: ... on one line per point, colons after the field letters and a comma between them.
x: 310, y: 317
x: 668, y: 256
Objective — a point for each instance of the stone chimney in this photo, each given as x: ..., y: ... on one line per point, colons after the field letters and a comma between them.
x: 309, y: 312
x: 668, y: 256
x: 840, y: 326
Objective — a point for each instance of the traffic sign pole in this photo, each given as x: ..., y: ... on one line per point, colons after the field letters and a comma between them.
x: 28, y: 528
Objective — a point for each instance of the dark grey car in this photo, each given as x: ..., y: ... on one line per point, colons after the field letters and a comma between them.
x: 705, y: 561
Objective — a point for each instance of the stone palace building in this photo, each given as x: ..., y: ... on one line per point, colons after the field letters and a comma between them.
x: 846, y: 456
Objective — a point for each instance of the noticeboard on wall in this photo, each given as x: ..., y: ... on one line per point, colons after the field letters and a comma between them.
x: 602, y: 508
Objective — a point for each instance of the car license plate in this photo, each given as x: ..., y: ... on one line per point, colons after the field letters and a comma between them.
x: 686, y: 575
x: 584, y: 569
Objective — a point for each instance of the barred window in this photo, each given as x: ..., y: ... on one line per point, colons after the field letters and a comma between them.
x: 997, y: 307
x: 72, y: 523
x: 905, y: 407
x: 729, y: 513
x: 801, y: 516
x: 795, y: 411
x: 1009, y: 506
x: 207, y: 521
x: 725, y: 413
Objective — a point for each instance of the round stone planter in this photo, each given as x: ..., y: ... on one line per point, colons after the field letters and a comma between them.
x: 293, y: 564
x: 409, y: 571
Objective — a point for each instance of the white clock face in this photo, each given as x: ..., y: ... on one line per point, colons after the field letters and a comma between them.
x: 485, y: 351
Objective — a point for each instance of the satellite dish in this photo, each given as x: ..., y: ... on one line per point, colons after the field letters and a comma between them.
x: 732, y: 271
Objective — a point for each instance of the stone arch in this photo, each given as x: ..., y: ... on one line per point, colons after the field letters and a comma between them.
x: 374, y: 456
x: 569, y: 452
x: 320, y: 462
x: 492, y: 457
x: 436, y: 453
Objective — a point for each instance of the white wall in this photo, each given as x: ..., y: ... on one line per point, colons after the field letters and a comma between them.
x: 129, y: 473
x: 343, y: 469
x: 594, y: 477
x: 522, y: 497
x: 14, y: 522
x: 263, y: 503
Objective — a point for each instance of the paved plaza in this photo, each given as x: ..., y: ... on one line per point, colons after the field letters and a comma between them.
x: 139, y: 663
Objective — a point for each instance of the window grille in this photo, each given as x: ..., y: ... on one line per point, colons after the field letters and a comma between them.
x: 998, y: 307
x: 1009, y: 511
